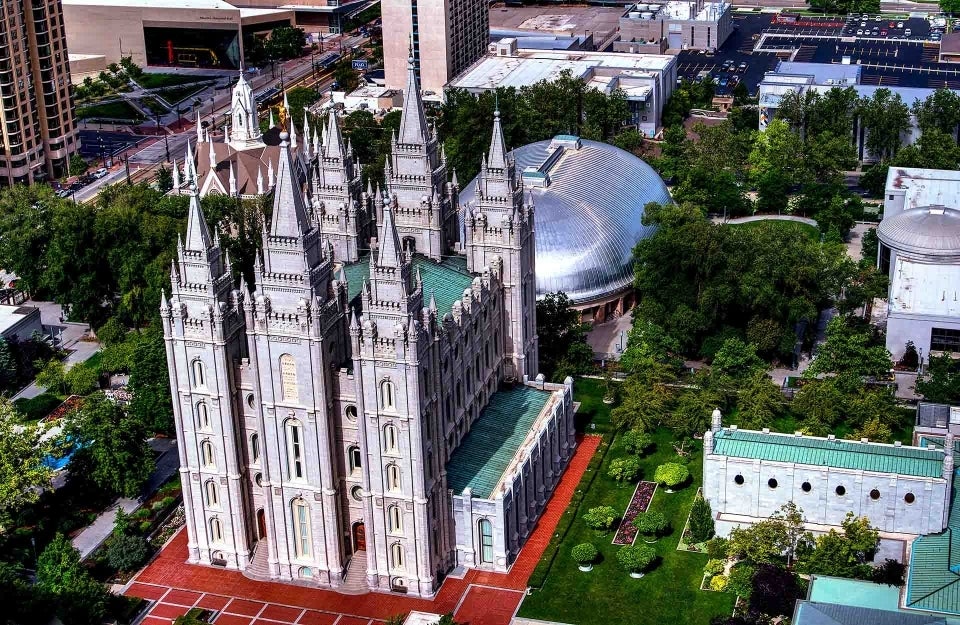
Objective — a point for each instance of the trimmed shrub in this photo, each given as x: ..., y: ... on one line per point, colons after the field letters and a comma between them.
x: 717, y: 548
x: 701, y: 521
x: 584, y: 553
x: 167, y: 501
x: 635, y: 442
x: 671, y: 474
x: 145, y: 527
x: 601, y: 518
x: 740, y: 581
x: 127, y: 553
x: 637, y: 558
x: 624, y: 470
x: 713, y: 567
x: 650, y: 523
x: 140, y: 514
x: 718, y: 583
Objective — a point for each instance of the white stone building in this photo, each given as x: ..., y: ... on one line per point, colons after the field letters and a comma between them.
x: 749, y: 475
x: 335, y: 422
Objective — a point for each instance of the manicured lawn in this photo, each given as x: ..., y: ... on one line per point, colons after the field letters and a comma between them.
x: 607, y: 595
x: 153, y: 81
x: 109, y: 110
x: 790, y: 226
x: 173, y: 95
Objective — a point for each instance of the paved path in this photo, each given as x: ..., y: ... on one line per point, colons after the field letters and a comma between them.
x: 609, y: 339
x: 94, y: 534
x: 480, y: 598
x: 68, y: 336
x: 746, y: 220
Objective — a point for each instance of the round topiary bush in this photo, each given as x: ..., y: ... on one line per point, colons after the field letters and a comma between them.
x: 584, y: 554
x: 718, y: 583
x: 650, y: 523
x: 601, y: 518
x: 635, y: 441
x: 636, y: 559
x: 671, y: 474
x: 624, y: 470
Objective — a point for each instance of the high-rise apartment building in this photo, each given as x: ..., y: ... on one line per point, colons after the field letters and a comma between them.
x: 446, y: 36
x: 36, y: 116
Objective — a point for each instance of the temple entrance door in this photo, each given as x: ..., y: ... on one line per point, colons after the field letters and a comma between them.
x: 359, y: 537
x: 261, y: 524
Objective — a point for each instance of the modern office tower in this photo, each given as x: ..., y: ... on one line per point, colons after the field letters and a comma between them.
x: 39, y: 133
x: 446, y: 37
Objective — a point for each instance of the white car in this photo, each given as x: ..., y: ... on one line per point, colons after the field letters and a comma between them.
x: 907, y: 32
x: 100, y: 173
x: 859, y: 31
x: 899, y: 24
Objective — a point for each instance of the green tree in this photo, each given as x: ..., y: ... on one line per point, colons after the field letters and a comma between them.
x: 150, y: 385
x: 59, y: 567
x: 886, y: 118
x: 701, y: 521
x: 950, y: 7
x: 671, y: 474
x: 112, y: 332
x: 636, y: 558
x: 23, y: 476
x: 114, y: 444
x: 164, y: 179
x: 942, y: 381
x: 299, y: 99
x: 635, y: 441
x: 566, y: 352
x: 24, y: 603
x: 740, y: 580
x: 651, y: 523
x: 285, y: 43
x: 53, y: 376
x: 624, y: 470
x: 940, y: 110
x: 77, y: 164
x: 849, y: 351
x: 601, y: 518
x: 737, y: 359
x: 759, y: 402
x: 81, y: 379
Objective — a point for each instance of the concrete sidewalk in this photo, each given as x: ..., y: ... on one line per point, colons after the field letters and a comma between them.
x: 68, y: 335
x: 94, y: 534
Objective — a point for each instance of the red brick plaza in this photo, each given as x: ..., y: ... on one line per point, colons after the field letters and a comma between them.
x: 480, y: 598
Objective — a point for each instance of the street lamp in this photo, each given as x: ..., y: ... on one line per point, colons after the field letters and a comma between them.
x: 166, y: 141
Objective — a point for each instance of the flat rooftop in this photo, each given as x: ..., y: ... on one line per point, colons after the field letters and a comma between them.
x: 825, y: 452
x: 925, y: 187
x: 854, y: 592
x: 12, y: 315
x: 531, y: 66
x: 491, y: 445
x: 156, y: 4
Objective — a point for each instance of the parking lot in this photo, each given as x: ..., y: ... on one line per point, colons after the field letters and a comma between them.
x: 760, y: 41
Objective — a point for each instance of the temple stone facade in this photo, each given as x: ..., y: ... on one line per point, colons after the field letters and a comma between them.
x: 334, y: 420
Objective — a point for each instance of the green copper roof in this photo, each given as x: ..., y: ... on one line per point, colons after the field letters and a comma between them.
x: 445, y: 280
x: 933, y: 581
x: 823, y: 452
x: 493, y: 441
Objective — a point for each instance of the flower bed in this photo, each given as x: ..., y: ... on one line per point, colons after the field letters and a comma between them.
x: 69, y: 405
x: 642, y: 497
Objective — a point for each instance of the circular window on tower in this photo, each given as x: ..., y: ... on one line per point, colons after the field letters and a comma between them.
x: 351, y: 413
x: 738, y: 480
x: 874, y: 494
x: 806, y: 487
x: 251, y: 403
x: 258, y: 478
x: 772, y: 482
x: 909, y: 498
x: 841, y: 491
x: 357, y: 493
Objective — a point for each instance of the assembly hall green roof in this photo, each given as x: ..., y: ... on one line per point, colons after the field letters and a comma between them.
x: 836, y: 453
x: 933, y: 578
x: 445, y: 280
x: 492, y: 443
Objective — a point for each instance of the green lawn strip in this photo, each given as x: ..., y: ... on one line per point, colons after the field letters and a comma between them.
x: 667, y: 594
x: 153, y: 81
x: 811, y: 232
x: 36, y: 408
x: 109, y: 110
x: 173, y: 95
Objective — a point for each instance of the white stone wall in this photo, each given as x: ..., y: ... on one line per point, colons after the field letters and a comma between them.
x: 821, y: 504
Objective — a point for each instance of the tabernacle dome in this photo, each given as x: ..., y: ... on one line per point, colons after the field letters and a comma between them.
x: 589, y: 198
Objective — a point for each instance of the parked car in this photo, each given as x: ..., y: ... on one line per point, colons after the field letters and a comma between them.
x: 86, y: 178
x: 64, y: 193
x: 907, y: 32
x: 743, y: 66
x: 859, y: 31
x: 899, y: 24
x: 724, y: 82
x: 100, y: 173
x: 76, y: 186
x: 883, y: 32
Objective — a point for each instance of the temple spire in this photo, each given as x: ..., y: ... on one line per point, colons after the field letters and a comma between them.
x: 413, y: 121
x: 497, y: 156
x: 198, y: 234
x: 289, y: 209
x: 390, y: 253
x: 333, y: 141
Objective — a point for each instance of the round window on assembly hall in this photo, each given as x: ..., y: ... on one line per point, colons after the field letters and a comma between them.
x: 738, y: 480
x: 806, y: 487
x: 772, y: 482
x: 841, y: 491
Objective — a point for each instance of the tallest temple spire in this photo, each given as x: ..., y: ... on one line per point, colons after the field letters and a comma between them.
x: 413, y: 121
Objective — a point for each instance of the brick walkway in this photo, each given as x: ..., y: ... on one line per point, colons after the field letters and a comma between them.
x: 480, y: 598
